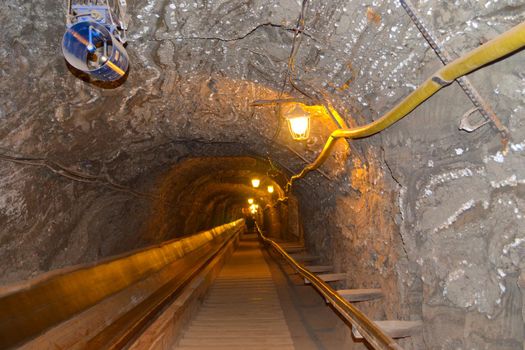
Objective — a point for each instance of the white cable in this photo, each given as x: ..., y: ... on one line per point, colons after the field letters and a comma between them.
x: 110, y: 16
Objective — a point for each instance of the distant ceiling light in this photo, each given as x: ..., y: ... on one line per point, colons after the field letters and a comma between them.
x: 256, y: 182
x: 250, y: 200
x: 270, y: 189
x: 253, y: 208
x: 298, y: 122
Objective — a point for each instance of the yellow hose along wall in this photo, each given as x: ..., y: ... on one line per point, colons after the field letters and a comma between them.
x: 495, y: 49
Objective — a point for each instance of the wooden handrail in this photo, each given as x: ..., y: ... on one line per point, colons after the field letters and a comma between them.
x: 366, y: 327
x: 135, y: 285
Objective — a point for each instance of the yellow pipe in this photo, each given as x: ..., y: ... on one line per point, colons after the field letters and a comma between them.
x: 494, y: 49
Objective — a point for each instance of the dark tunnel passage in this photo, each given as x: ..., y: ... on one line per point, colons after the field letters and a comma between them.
x: 403, y: 181
x: 200, y: 193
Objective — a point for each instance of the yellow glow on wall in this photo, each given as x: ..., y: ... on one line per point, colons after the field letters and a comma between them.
x: 321, y: 112
x: 256, y: 182
x: 250, y: 200
x: 270, y: 189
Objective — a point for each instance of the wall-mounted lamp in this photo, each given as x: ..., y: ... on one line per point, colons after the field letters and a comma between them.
x: 298, y: 122
x: 270, y: 189
x: 250, y: 200
x: 256, y: 182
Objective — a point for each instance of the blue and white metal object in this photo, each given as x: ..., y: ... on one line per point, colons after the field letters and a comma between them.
x: 95, y: 37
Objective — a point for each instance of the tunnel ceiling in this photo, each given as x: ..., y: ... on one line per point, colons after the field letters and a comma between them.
x: 196, y: 67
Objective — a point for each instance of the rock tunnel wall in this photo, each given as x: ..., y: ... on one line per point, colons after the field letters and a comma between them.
x: 435, y: 213
x: 431, y: 214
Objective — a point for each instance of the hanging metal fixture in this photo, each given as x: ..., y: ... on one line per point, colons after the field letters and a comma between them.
x: 95, y: 37
x: 298, y: 122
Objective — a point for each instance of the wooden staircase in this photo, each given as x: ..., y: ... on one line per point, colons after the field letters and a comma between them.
x: 394, y: 328
x: 241, y: 310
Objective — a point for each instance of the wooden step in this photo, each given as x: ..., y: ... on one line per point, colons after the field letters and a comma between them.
x: 242, y: 309
x: 291, y: 250
x: 354, y: 295
x: 330, y: 277
x: 290, y: 244
x: 319, y: 268
x: 240, y: 346
x: 304, y: 257
x: 395, y: 328
x: 246, y: 344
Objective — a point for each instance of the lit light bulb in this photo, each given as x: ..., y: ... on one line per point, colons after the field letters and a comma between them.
x: 256, y: 182
x: 299, y: 127
x: 270, y: 189
x: 298, y: 122
x: 250, y: 200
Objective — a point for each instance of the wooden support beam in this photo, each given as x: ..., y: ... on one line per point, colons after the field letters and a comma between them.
x: 354, y: 295
x: 304, y: 257
x: 330, y: 277
x: 395, y: 328
x: 319, y: 268
x: 291, y: 250
x: 291, y: 244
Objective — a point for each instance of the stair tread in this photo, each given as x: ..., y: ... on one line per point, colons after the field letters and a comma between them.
x: 241, y: 310
x: 319, y: 268
x: 395, y: 328
x: 360, y: 294
x: 304, y: 257
x: 330, y: 277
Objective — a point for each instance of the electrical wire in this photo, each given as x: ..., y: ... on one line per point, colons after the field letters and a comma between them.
x: 290, y: 69
x: 493, y: 50
x: 110, y: 15
x: 71, y: 174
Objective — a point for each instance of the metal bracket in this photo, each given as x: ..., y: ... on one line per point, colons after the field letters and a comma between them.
x: 468, y: 123
x: 110, y: 13
x: 481, y: 105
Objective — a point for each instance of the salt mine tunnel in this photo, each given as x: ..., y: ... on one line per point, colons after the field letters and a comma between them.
x: 262, y: 174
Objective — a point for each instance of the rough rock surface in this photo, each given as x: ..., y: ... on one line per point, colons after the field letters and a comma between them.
x: 431, y: 214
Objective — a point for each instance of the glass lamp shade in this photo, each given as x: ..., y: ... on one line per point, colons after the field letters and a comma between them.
x: 298, y: 123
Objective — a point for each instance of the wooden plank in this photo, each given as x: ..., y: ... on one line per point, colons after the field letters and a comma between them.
x: 71, y: 306
x: 304, y: 257
x: 395, y: 328
x: 330, y: 277
x: 354, y: 295
x: 319, y: 268
x: 291, y: 250
x: 173, y: 320
x: 291, y: 244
